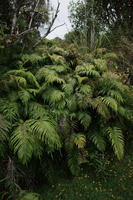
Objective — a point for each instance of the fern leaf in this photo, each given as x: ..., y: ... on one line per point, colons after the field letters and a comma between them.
x: 24, y: 96
x: 117, y: 140
x: 10, y: 110
x: 99, y: 141
x: 116, y: 95
x: 85, y: 119
x: 110, y: 102
x: 80, y: 140
x: 46, y: 132
x: 22, y: 141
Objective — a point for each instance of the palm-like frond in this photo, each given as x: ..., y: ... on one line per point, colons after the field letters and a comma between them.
x: 86, y: 89
x: 110, y: 102
x: 37, y: 111
x: 22, y: 142
x: 80, y: 140
x: 101, y: 64
x: 23, y: 77
x: 116, y: 95
x: 24, y: 96
x: 46, y: 132
x: 53, y: 95
x: 87, y: 69
x: 85, y: 119
x: 49, y: 75
x: 117, y: 140
x: 99, y: 141
x: 4, y: 128
x: 10, y: 110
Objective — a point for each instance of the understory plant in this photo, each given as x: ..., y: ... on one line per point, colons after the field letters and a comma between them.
x: 53, y: 105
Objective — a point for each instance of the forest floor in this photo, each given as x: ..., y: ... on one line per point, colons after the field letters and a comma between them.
x: 112, y: 181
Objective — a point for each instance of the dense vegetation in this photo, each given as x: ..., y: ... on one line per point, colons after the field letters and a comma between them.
x: 66, y: 110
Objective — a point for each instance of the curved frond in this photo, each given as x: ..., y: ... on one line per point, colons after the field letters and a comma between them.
x: 117, y: 140
x: 10, y: 110
x: 46, y: 132
x: 116, y: 95
x: 87, y: 69
x: 85, y: 119
x: 110, y: 102
x: 99, y: 141
x: 22, y: 141
x: 80, y: 140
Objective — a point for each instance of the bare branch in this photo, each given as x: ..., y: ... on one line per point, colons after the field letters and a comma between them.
x: 33, y: 13
x: 49, y: 30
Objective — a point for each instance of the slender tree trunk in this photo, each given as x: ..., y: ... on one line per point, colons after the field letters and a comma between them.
x: 14, y: 20
x: 92, y: 38
x: 32, y: 15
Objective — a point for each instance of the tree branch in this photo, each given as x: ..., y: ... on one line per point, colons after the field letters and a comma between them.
x: 50, y: 26
x: 32, y: 15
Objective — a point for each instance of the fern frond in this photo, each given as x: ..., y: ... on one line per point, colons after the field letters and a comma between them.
x: 88, y: 70
x: 68, y: 88
x: 5, y: 127
x: 61, y: 69
x: 10, y: 110
x: 116, y: 95
x: 26, y: 195
x: 24, y: 96
x: 80, y: 140
x: 53, y: 95
x: 85, y: 119
x: 86, y: 90
x: 82, y: 79
x: 99, y: 141
x: 101, y: 65
x: 72, y: 103
x: 117, y: 140
x: 46, y: 132
x: 22, y: 142
x: 110, y: 102
x: 17, y: 81
x: 37, y: 111
x: 23, y: 77
x: 110, y: 75
x: 49, y: 75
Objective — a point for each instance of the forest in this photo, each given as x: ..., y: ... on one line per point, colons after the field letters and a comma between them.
x: 66, y: 105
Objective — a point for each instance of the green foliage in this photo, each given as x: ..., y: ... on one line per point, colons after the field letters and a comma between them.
x: 62, y: 111
x: 25, y: 195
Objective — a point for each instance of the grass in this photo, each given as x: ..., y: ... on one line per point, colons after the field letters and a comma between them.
x: 117, y: 184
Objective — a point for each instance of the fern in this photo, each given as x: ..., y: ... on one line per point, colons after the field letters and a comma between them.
x: 45, y: 131
x: 24, y: 96
x: 116, y: 95
x: 85, y: 119
x: 101, y: 65
x: 5, y: 127
x: 80, y: 140
x: 110, y: 102
x: 53, y: 96
x: 25, y: 195
x: 88, y: 70
x: 10, y: 110
x: 22, y: 142
x: 99, y: 141
x: 117, y: 140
